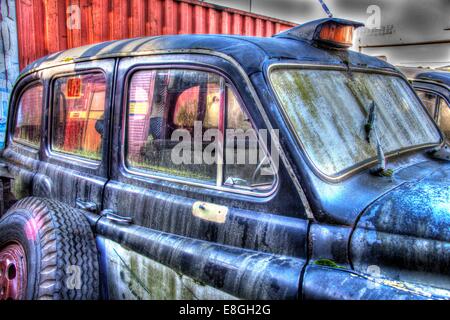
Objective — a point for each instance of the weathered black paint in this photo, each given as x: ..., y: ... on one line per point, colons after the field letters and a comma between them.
x: 268, y: 247
x: 244, y: 273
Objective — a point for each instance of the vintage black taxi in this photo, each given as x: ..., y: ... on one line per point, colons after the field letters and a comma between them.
x: 109, y: 192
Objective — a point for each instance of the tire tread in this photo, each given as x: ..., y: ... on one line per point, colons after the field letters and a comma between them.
x: 65, y: 239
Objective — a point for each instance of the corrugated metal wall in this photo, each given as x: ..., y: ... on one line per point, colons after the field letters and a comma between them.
x: 47, y: 26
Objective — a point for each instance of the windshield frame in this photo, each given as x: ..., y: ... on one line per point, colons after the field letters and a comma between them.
x: 351, y: 170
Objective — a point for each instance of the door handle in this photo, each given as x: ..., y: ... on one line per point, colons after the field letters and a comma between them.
x: 86, y: 205
x: 111, y: 215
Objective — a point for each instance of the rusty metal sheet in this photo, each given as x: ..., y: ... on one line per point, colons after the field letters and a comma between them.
x: 45, y: 27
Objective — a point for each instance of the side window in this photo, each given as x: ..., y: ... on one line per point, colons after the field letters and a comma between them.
x: 429, y: 100
x: 78, y: 113
x: 28, y: 117
x: 179, y: 122
x: 164, y: 103
x: 444, y: 118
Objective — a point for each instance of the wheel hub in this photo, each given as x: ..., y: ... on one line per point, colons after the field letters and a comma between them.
x: 13, y: 272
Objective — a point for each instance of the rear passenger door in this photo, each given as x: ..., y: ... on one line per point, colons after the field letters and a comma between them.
x: 75, y: 155
x: 213, y: 228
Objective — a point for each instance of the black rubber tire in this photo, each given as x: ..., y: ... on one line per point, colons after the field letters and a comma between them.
x: 58, y: 242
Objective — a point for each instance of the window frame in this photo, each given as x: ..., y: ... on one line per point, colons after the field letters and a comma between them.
x: 438, y: 111
x: 26, y: 87
x: 438, y: 107
x: 139, y: 173
x: 346, y: 174
x: 92, y: 163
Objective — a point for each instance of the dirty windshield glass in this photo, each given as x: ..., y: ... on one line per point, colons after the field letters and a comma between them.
x: 329, y: 109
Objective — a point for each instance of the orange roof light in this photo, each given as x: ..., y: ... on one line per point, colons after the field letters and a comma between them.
x: 337, y: 35
x: 333, y: 33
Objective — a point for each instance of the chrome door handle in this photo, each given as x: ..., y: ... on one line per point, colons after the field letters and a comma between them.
x: 111, y: 215
x: 86, y: 205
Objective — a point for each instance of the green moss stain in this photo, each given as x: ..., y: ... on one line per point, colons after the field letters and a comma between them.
x: 133, y: 264
x: 327, y: 263
x: 19, y: 188
x: 134, y: 276
x: 306, y: 90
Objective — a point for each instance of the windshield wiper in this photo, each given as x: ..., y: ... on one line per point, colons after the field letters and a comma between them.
x: 380, y: 169
x: 370, y: 123
x: 370, y: 128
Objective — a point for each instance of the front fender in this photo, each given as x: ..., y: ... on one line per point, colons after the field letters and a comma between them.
x: 327, y: 283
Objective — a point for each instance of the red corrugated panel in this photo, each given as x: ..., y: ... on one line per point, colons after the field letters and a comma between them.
x: 43, y: 24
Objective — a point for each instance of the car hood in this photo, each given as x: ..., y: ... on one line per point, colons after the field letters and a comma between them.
x: 419, y: 209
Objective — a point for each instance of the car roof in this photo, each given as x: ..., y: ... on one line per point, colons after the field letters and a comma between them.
x: 430, y: 75
x: 442, y: 77
x: 249, y: 52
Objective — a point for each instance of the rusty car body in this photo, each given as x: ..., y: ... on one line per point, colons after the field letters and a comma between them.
x: 309, y: 235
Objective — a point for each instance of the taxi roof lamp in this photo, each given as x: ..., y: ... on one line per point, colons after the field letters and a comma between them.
x: 330, y: 32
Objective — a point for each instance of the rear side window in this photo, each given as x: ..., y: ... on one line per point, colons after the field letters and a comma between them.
x: 28, y: 116
x: 78, y: 115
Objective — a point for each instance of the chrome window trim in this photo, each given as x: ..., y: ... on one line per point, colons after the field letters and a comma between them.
x: 148, y: 66
x: 340, y: 176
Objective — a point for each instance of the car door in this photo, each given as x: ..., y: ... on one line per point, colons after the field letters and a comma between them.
x: 74, y: 159
x: 182, y: 226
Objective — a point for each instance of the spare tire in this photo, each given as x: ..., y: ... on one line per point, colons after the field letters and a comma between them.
x: 47, y: 251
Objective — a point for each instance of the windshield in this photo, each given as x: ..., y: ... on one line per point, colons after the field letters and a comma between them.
x: 328, y: 110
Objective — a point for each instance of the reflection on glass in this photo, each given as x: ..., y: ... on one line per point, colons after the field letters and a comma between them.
x: 78, y: 115
x: 28, y: 117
